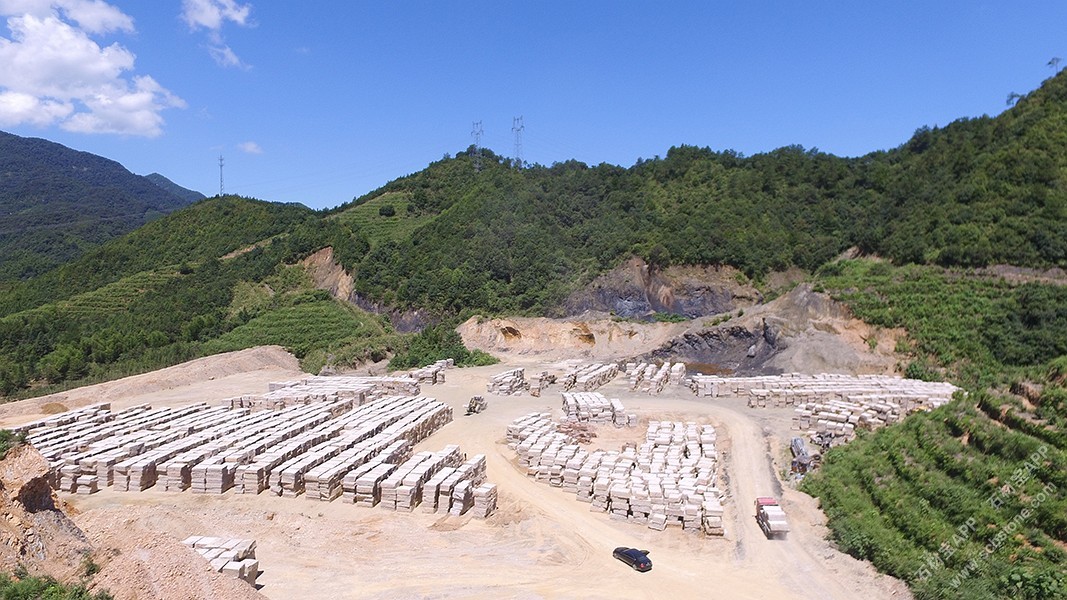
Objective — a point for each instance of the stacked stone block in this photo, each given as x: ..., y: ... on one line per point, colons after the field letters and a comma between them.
x: 508, y: 383
x: 667, y: 481
x: 230, y: 556
x: 586, y: 378
x: 833, y: 404
x: 652, y: 379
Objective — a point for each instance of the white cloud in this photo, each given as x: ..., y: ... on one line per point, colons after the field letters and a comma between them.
x: 223, y: 55
x: 250, y: 148
x: 124, y: 110
x: 212, y: 15
x: 52, y: 72
x: 17, y: 108
x: 94, y: 16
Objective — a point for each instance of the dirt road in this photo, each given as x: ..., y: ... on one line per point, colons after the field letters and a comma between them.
x: 542, y: 543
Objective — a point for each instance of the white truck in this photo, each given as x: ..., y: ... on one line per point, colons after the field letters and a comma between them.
x: 771, y: 518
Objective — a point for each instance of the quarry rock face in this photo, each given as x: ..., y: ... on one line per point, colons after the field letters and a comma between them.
x: 636, y: 290
x: 736, y: 348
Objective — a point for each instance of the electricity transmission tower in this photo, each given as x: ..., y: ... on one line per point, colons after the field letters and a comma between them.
x: 222, y: 188
x: 517, y: 128
x: 476, y: 133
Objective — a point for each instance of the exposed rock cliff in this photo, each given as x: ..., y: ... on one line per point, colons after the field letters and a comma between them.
x: 635, y: 290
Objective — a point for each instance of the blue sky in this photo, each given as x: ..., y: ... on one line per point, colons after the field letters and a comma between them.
x: 321, y: 102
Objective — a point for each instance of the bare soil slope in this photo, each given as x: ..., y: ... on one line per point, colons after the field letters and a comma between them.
x: 207, y: 379
x: 34, y: 531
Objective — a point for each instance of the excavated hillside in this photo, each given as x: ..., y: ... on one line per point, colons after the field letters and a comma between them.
x: 802, y: 331
x: 636, y: 290
x: 730, y: 328
x: 35, y: 533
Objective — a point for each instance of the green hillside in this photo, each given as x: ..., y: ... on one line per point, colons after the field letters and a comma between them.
x: 977, y: 192
x: 969, y: 501
x: 389, y: 217
x: 56, y: 203
x: 207, y: 230
x: 159, y: 295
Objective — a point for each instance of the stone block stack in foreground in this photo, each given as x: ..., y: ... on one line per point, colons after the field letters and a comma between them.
x: 669, y: 480
x: 229, y: 556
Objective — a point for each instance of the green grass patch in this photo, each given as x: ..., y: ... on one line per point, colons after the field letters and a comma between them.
x: 380, y: 228
x: 44, y: 588
x: 310, y: 322
x: 436, y: 343
x: 980, y: 330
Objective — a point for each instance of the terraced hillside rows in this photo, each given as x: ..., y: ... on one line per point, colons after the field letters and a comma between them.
x: 389, y: 217
x: 968, y: 501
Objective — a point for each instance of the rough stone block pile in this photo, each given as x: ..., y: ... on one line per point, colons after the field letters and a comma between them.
x: 84, y: 417
x: 508, y: 383
x: 667, y: 481
x: 593, y: 407
x: 402, y: 489
x: 485, y: 499
x: 432, y: 374
x: 303, y: 448
x: 831, y: 403
x: 651, y: 378
x: 230, y: 556
x: 539, y: 382
x: 315, y: 388
x: 587, y: 378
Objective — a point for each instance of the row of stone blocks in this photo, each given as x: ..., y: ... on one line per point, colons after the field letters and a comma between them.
x: 795, y: 386
x: 441, y: 482
x: 669, y: 480
x: 509, y: 383
x: 593, y: 407
x: 432, y: 374
x: 652, y: 378
x: 210, y: 450
x: 587, y: 378
x: 315, y: 388
x: 230, y: 556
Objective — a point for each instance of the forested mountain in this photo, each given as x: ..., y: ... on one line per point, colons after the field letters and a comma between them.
x: 56, y: 202
x: 977, y: 192
x: 189, y: 196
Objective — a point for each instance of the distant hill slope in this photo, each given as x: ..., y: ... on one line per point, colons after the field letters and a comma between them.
x: 185, y: 194
x: 56, y: 202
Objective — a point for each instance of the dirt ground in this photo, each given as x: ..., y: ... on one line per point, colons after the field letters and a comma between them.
x: 541, y: 543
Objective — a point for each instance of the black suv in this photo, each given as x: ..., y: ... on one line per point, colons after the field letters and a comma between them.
x: 638, y: 559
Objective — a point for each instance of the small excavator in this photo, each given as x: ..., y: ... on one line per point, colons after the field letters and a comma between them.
x: 476, y: 405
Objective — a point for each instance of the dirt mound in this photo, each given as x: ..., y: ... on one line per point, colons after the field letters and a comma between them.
x: 37, y: 534
x: 34, y: 532
x: 559, y: 339
x: 140, y: 563
x: 803, y: 331
x: 230, y: 374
